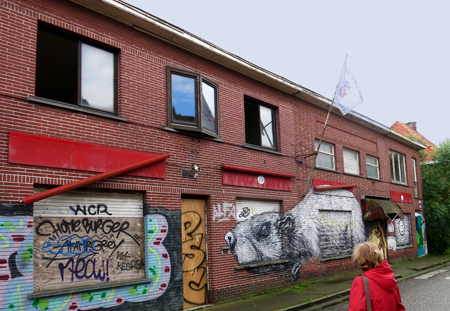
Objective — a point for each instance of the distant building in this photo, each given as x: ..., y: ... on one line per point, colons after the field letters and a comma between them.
x: 410, y: 130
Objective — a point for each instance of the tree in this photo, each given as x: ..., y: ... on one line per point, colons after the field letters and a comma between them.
x: 436, y: 195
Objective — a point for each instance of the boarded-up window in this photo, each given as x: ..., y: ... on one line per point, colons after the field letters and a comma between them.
x: 351, y: 162
x: 246, y: 208
x: 87, y: 238
x: 403, y: 231
x: 335, y: 233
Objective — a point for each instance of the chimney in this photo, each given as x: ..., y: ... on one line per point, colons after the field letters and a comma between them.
x: 412, y: 125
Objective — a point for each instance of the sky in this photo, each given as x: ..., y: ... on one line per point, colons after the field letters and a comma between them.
x: 398, y: 51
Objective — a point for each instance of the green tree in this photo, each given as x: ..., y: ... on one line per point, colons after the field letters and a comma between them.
x: 436, y: 195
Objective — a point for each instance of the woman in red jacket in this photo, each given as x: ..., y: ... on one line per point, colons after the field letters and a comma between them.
x: 384, y: 292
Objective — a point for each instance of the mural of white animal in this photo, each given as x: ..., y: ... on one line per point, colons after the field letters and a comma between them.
x: 297, y: 235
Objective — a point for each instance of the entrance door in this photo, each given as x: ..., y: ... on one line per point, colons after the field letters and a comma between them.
x: 375, y: 230
x: 194, y: 252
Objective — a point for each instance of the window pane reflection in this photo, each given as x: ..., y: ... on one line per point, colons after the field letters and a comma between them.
x: 183, y: 99
x: 209, y: 106
x: 97, y: 78
x: 266, y: 127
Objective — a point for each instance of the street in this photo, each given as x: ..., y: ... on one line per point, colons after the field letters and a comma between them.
x: 428, y: 292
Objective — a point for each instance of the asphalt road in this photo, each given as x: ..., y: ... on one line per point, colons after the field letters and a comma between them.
x: 428, y: 292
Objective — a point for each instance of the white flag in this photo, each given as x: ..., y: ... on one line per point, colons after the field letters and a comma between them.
x: 347, y: 95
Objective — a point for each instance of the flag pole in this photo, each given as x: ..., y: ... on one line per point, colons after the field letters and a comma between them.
x: 318, y: 148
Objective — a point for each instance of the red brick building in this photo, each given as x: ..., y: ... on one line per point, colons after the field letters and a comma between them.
x: 140, y: 164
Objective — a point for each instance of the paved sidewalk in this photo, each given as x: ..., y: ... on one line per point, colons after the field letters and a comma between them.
x: 324, y: 292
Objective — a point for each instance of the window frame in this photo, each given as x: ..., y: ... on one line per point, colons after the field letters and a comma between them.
x: 274, y: 114
x: 401, y: 168
x: 80, y: 40
x: 198, y: 126
x: 319, y: 152
x: 414, y: 171
x: 371, y: 165
x: 357, y: 160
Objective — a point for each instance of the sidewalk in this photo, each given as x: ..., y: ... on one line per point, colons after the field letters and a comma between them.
x: 324, y: 292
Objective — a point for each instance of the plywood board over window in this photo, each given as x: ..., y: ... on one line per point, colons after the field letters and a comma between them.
x: 88, y: 238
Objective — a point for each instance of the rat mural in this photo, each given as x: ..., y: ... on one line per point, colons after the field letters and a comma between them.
x: 324, y: 224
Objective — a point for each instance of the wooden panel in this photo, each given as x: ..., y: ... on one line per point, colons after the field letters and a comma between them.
x: 194, y: 252
x: 89, y: 245
x: 88, y: 251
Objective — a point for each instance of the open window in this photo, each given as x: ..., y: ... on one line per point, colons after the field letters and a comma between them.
x: 260, y: 125
x: 398, y: 169
x: 75, y: 71
x: 192, y: 102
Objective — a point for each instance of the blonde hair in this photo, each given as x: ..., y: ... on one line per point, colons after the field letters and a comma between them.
x: 367, y: 256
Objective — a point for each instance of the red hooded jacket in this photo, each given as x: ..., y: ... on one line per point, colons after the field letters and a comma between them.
x: 384, y: 292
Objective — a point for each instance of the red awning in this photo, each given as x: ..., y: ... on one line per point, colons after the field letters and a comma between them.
x: 77, y: 184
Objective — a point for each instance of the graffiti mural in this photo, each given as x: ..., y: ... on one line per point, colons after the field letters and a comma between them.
x: 84, y: 251
x: 403, y: 231
x: 297, y: 234
x: 194, y: 252
x: 375, y: 232
x: 224, y: 212
x: 162, y: 267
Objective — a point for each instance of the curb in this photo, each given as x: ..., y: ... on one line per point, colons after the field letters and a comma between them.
x: 343, y: 296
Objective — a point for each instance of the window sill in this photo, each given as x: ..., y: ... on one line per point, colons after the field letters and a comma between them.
x: 373, y: 178
x: 355, y: 175
x: 259, y: 148
x: 327, y: 169
x: 86, y: 288
x: 335, y: 258
x: 399, y: 183
x: 262, y: 264
x: 193, y: 134
x: 404, y: 247
x: 58, y: 104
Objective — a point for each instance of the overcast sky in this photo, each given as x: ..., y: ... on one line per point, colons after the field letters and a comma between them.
x: 398, y: 51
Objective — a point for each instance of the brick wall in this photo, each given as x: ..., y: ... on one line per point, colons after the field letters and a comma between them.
x: 143, y: 61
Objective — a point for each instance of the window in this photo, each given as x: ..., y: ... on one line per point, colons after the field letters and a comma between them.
x: 74, y: 71
x: 325, y: 158
x: 372, y: 167
x: 351, y: 162
x: 414, y: 169
x: 398, y: 172
x: 192, y: 102
x: 403, y: 233
x: 260, y: 126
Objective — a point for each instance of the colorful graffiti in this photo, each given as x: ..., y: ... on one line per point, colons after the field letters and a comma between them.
x: 16, y: 271
x: 301, y: 233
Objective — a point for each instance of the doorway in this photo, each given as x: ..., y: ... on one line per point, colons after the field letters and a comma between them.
x: 194, y: 252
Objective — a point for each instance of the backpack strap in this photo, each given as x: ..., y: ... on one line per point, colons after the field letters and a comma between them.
x: 366, y: 289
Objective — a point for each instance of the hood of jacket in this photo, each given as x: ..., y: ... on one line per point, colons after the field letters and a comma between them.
x: 383, y: 276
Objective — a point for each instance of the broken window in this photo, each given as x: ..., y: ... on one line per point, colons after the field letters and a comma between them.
x: 260, y: 127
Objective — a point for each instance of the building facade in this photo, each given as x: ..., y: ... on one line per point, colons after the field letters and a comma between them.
x: 143, y: 167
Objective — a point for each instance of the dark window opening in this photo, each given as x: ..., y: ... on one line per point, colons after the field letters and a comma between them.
x: 260, y: 127
x: 75, y: 72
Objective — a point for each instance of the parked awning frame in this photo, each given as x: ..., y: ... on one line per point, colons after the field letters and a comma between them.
x: 376, y: 209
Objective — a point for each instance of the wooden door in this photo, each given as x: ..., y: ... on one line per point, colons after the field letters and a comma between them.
x: 194, y: 252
